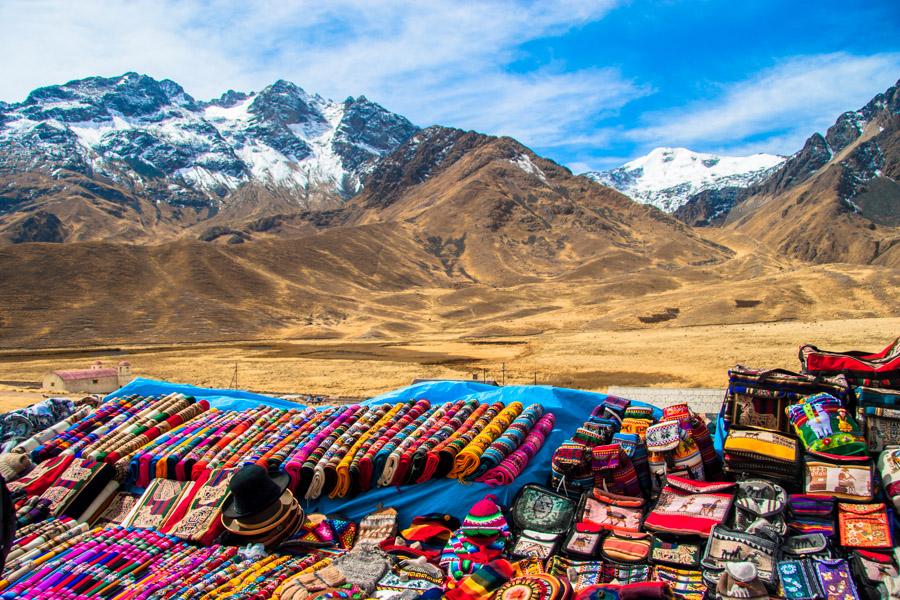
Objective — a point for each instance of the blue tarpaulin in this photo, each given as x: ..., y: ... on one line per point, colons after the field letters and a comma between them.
x: 571, y: 408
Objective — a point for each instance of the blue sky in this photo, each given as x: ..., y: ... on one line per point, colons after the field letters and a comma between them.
x: 588, y: 84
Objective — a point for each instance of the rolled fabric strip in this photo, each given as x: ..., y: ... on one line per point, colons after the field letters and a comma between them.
x: 343, y: 472
x: 510, y: 439
x: 513, y: 465
x: 469, y: 457
x: 432, y: 459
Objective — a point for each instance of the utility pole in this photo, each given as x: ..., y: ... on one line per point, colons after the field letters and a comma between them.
x: 503, y: 371
x: 234, y: 380
x: 535, y: 378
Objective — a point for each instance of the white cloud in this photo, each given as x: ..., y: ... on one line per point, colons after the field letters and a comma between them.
x: 782, y: 105
x: 436, y: 62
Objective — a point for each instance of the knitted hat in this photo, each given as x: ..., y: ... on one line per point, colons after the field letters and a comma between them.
x: 13, y: 464
x: 433, y: 529
x: 484, y: 519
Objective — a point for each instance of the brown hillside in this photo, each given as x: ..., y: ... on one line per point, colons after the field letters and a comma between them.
x: 814, y: 221
x: 492, y: 211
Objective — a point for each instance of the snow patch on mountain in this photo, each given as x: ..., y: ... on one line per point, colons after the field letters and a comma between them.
x: 524, y: 162
x: 668, y: 177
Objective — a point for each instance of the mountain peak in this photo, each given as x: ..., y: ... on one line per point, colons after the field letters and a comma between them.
x: 667, y: 177
x: 151, y: 135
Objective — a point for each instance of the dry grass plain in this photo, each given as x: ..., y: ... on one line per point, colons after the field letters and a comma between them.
x: 690, y: 356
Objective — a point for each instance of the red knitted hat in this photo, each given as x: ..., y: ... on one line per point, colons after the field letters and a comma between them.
x: 485, y: 518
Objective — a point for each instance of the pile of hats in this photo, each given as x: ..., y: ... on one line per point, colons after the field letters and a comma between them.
x: 262, y: 509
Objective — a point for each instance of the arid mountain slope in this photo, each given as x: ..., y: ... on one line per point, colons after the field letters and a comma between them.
x: 836, y: 200
x: 493, y: 211
x: 848, y: 209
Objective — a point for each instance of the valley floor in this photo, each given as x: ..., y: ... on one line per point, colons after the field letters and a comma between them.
x: 694, y: 356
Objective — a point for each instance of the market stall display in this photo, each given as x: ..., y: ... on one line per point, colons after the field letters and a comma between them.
x: 540, y: 493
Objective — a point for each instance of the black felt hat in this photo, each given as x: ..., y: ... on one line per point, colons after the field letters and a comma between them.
x: 253, y: 491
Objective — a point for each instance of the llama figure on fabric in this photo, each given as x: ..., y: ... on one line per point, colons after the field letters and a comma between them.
x: 818, y: 420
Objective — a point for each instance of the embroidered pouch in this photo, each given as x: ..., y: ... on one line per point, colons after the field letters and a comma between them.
x: 855, y: 364
x: 757, y: 398
x: 608, y: 511
x: 538, y: 509
x: 798, y: 580
x: 690, y: 507
x: 581, y: 573
x: 686, y: 584
x: 809, y: 545
x: 663, y: 437
x: 845, y: 477
x: 634, y: 448
x: 823, y: 424
x: 626, y: 546
x: 613, y: 470
x: 624, y: 573
x: 762, y: 453
x: 889, y: 468
x: 675, y: 552
x: 583, y: 540
x: 879, y: 414
x: 636, y: 426
x: 759, y: 505
x: 571, y: 468
x: 724, y: 546
x: 835, y: 579
x: 864, y: 525
x: 537, y: 544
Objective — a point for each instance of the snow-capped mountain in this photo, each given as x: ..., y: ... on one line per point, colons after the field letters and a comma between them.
x: 668, y: 177
x: 151, y: 136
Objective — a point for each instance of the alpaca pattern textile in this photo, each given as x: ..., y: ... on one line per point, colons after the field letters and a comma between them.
x: 823, y: 424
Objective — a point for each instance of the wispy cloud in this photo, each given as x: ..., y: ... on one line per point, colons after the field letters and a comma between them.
x: 775, y: 109
x: 435, y: 62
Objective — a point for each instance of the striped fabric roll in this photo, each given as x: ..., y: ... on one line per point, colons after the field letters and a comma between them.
x: 392, y: 466
x: 470, y: 456
x: 431, y: 468
x: 511, y: 439
x: 343, y: 468
x: 447, y: 456
x: 419, y: 459
x: 367, y: 461
x: 424, y: 439
x: 513, y: 465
